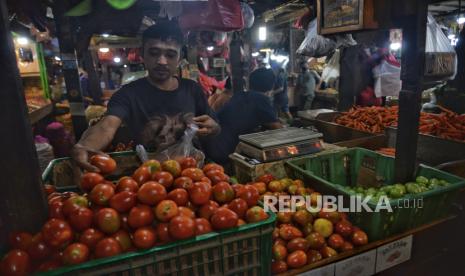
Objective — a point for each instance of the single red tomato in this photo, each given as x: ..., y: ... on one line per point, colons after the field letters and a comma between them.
x: 206, y: 180
x: 144, y: 237
x: 179, y: 195
x: 172, y: 166
x: 108, y: 220
x: 101, y: 194
x: 55, y: 210
x: 183, y: 182
x: 200, y: 193
x: 151, y: 193
x: 202, y: 226
x: 123, y: 201
x: 207, y: 210
x: 153, y: 165
x: 89, y: 180
x: 124, y: 239
x: 166, y: 210
x: 344, y: 228
x: 39, y: 250
x: 328, y: 252
x: 237, y: 188
x: 126, y: 183
x: 105, y: 164
x: 57, y: 233
x: 139, y: 216
x: 91, y: 237
x: 313, y: 256
x: 164, y: 178
x: 195, y: 174
x: 266, y: 178
x: 181, y: 227
x: 359, y: 238
x: 184, y: 211
x: 75, y: 253
x: 49, y: 265
x: 188, y: 162
x: 142, y: 175
x: 279, y: 252
x: 278, y: 267
x: 223, y: 218
x: 107, y: 247
x: 217, y: 176
x: 298, y: 244
x: 20, y: 240
x: 212, y: 166
x: 163, y: 234
x: 261, y: 187
x: 336, y: 241
x: 346, y: 246
x: 73, y: 203
x: 49, y: 189
x: 239, y: 206
x: 250, y: 194
x: 255, y: 214
x: 289, y: 232
x: 297, y: 259
x: 223, y: 192
x: 81, y: 219
x: 15, y: 262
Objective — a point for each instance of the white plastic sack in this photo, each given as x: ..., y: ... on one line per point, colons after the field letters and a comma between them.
x: 437, y: 48
x: 387, y: 79
x: 315, y: 45
x: 332, y: 69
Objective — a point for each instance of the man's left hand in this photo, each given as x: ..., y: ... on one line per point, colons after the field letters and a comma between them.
x: 207, y: 126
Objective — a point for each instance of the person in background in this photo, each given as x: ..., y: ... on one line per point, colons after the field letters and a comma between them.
x: 218, y: 100
x: 306, y: 85
x: 280, y: 97
x: 246, y: 112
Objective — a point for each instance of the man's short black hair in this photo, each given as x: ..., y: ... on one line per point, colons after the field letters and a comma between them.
x: 261, y: 80
x: 164, y: 31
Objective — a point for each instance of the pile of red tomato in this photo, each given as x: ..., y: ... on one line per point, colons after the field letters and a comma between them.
x: 160, y: 203
x: 301, y: 237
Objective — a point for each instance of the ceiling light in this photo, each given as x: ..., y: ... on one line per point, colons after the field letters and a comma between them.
x: 210, y: 48
x: 105, y: 35
x: 461, y: 20
x: 57, y: 58
x: 262, y: 33
x: 22, y: 40
x: 104, y: 50
x: 395, y: 46
x: 117, y: 59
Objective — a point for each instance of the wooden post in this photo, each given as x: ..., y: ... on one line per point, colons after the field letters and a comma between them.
x: 22, y: 199
x: 413, y: 60
x: 70, y: 68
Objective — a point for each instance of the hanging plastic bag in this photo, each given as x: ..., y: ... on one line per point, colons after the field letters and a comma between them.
x: 248, y: 15
x: 440, y: 56
x: 387, y: 79
x: 332, y: 69
x: 183, y: 148
x: 315, y: 45
x: 216, y: 15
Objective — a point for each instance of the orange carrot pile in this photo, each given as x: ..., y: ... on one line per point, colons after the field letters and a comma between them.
x: 387, y: 151
x: 447, y: 125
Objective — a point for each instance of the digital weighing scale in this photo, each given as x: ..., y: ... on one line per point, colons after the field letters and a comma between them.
x: 279, y: 144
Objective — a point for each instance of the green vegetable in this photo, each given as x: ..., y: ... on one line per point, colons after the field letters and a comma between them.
x: 443, y: 183
x: 422, y: 180
x: 413, y: 188
x: 434, y: 181
x: 397, y: 191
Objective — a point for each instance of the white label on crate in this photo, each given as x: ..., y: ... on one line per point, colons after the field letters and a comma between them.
x: 359, y: 265
x: 393, y: 253
x: 327, y: 270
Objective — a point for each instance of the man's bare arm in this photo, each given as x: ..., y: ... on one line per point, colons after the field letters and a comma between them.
x: 95, y: 139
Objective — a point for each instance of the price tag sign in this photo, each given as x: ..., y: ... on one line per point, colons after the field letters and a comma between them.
x: 327, y: 270
x: 394, y: 253
x: 359, y: 265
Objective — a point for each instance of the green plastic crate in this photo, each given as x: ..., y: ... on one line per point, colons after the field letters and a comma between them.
x: 328, y: 173
x: 245, y: 250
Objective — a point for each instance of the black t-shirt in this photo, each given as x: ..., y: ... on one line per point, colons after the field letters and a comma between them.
x: 157, y: 118
x: 243, y: 114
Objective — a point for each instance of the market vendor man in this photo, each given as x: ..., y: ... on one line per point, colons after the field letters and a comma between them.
x: 154, y: 107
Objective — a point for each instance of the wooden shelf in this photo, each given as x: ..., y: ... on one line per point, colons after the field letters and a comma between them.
x: 40, y: 113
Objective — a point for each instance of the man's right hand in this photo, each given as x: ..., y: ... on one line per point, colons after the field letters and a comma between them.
x: 80, y: 154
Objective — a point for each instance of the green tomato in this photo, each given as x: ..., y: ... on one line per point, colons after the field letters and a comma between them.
x: 422, y: 180
x: 433, y: 186
x: 444, y: 183
x: 359, y: 189
x: 397, y: 192
x: 400, y: 187
x: 434, y: 181
x: 413, y: 188
x: 385, y: 188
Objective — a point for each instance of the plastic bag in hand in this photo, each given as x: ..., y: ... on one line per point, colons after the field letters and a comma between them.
x: 183, y: 148
x: 315, y: 45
